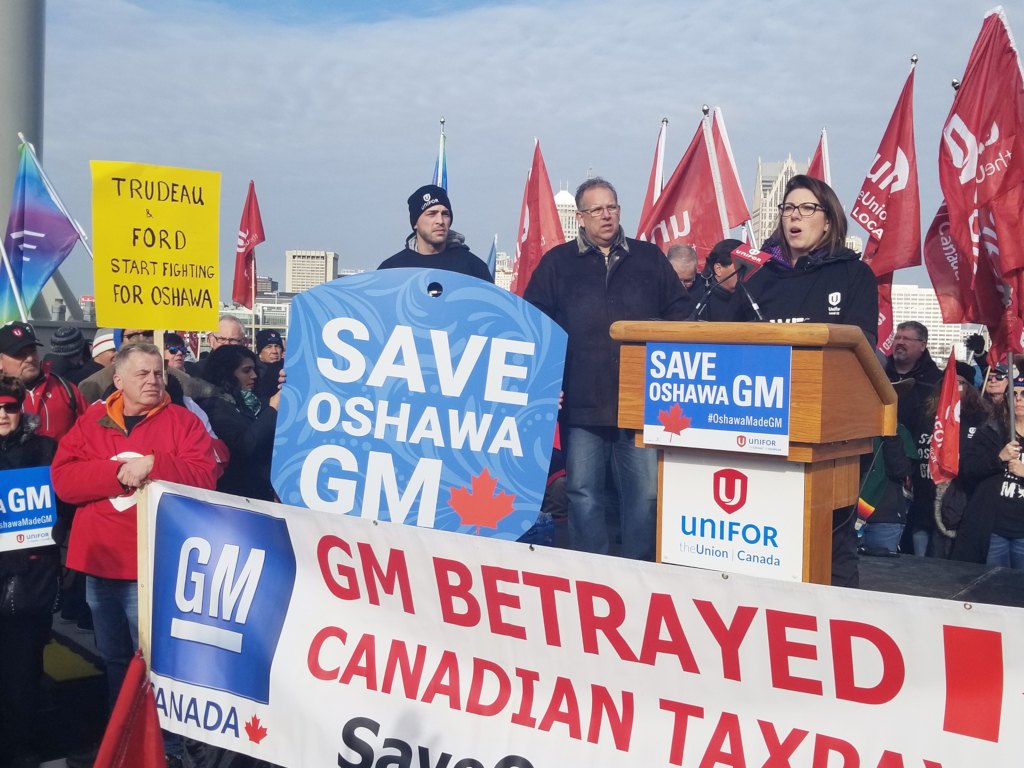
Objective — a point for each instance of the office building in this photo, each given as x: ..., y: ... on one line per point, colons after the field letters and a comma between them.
x: 566, y: 205
x: 769, y: 191
x: 265, y: 284
x: 911, y: 302
x: 503, y: 271
x: 855, y: 243
x: 308, y: 269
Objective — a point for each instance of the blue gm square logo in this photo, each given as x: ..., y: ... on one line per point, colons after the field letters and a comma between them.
x: 222, y: 581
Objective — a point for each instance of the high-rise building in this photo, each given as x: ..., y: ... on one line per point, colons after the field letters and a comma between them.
x: 566, y: 205
x: 265, y: 284
x: 855, y: 243
x: 769, y: 191
x: 502, y: 271
x: 308, y: 269
x: 910, y: 302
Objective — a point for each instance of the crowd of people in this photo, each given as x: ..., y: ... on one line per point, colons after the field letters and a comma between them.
x: 111, y: 416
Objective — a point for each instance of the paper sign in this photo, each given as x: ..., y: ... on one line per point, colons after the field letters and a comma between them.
x: 728, y: 397
x: 429, y: 410
x: 28, y: 508
x: 155, y: 233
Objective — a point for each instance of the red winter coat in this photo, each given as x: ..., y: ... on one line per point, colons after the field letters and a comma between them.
x: 56, y: 402
x: 84, y: 473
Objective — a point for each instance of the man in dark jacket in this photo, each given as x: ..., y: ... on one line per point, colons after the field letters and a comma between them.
x: 433, y: 244
x: 586, y: 285
x: 910, y: 358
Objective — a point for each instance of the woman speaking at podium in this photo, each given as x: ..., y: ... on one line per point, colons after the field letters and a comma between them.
x: 812, y: 277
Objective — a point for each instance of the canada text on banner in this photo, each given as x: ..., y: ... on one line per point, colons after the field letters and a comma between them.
x: 28, y: 508
x: 728, y: 397
x: 422, y: 397
x: 304, y: 638
x: 155, y: 233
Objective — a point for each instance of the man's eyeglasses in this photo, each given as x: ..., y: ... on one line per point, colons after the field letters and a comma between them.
x: 227, y: 339
x: 804, y: 209
x: 600, y: 211
x: 907, y: 338
x: 10, y: 407
x: 176, y: 350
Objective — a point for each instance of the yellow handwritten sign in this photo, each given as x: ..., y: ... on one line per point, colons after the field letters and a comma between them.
x: 155, y: 233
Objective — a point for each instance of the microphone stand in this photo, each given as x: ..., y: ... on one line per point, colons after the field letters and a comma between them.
x: 757, y: 309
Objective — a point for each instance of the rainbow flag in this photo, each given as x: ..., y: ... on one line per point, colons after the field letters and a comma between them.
x: 39, y: 236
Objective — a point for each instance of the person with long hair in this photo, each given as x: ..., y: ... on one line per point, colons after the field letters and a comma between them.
x: 241, y: 420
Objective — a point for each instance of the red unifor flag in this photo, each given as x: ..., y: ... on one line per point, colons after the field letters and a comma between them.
x: 944, y: 457
x: 981, y: 172
x: 950, y: 271
x: 820, y: 167
x: 688, y: 210
x: 889, y: 208
x: 133, y: 738
x: 540, y: 228
x: 250, y: 234
x: 657, y: 181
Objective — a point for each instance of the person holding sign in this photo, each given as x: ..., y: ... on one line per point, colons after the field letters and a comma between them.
x: 585, y: 285
x: 433, y: 243
x: 32, y: 573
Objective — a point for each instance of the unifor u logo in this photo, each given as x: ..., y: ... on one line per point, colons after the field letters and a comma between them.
x: 835, y: 298
x: 222, y: 581
x: 741, y: 440
x: 730, y: 487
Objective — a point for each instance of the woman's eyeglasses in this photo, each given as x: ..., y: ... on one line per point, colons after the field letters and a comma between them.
x: 176, y: 350
x: 10, y: 407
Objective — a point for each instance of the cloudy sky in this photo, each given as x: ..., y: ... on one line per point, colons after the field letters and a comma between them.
x: 332, y: 106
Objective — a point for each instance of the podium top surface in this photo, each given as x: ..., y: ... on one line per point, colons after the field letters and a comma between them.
x: 787, y: 334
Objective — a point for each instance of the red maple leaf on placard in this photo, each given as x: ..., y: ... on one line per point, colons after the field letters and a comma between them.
x: 673, y: 420
x: 254, y: 730
x: 480, y: 507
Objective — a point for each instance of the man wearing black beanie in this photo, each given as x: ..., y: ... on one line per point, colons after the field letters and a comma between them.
x: 433, y: 244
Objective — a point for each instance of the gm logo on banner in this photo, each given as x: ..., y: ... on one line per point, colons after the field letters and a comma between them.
x: 222, y: 581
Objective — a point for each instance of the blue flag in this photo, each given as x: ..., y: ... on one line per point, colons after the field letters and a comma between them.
x: 441, y: 166
x: 492, y: 257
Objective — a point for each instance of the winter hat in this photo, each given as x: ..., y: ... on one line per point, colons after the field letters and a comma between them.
x: 427, y: 197
x: 172, y: 339
x: 965, y: 370
x: 67, y: 341
x: 12, y: 390
x: 103, y: 341
x: 266, y: 337
x: 15, y: 336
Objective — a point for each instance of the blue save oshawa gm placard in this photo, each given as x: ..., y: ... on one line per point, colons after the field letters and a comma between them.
x: 422, y: 397
x: 728, y: 397
x: 28, y: 508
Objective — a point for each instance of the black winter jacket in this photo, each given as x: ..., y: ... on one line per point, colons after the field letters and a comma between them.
x: 456, y: 257
x: 584, y: 297
x: 837, y: 288
x: 251, y: 442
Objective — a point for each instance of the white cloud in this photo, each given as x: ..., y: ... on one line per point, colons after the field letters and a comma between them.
x: 337, y: 122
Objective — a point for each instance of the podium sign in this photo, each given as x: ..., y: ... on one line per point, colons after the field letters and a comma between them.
x: 727, y: 397
x: 741, y: 514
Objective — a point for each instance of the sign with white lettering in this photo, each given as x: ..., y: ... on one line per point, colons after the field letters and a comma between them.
x: 419, y: 396
x: 728, y: 397
x: 745, y: 515
x: 28, y: 508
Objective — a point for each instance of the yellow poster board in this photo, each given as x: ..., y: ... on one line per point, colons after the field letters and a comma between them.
x: 155, y: 238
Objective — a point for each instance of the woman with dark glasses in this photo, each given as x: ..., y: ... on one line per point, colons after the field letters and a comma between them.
x: 174, y: 351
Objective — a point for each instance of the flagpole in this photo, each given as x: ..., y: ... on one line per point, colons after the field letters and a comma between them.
x: 14, y: 283
x: 659, y: 179
x: 254, y: 299
x: 709, y: 143
x: 824, y: 157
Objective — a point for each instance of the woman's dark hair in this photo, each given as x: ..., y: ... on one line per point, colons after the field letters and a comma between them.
x: 835, y: 238
x: 12, y: 386
x: 971, y: 403
x: 222, y: 364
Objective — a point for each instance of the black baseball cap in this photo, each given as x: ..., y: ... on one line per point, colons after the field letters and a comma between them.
x: 15, y: 336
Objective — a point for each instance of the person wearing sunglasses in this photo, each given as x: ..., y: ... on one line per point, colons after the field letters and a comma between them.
x: 174, y: 351
x: 996, y: 383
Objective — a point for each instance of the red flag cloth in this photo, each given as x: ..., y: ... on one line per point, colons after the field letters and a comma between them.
x: 820, y: 168
x: 540, y: 229
x: 687, y: 211
x: 132, y: 738
x: 944, y: 457
x: 950, y: 270
x: 657, y: 181
x: 736, y: 210
x: 250, y: 234
x: 889, y: 208
x: 981, y: 172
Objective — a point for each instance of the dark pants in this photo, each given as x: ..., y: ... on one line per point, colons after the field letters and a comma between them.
x: 844, y: 548
x: 21, y: 672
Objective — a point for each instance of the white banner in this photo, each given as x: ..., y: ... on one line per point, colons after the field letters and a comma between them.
x: 310, y: 639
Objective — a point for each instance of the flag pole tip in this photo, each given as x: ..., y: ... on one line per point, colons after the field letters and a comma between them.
x: 664, y: 121
x: 913, y: 59
x: 956, y: 84
x: 705, y: 109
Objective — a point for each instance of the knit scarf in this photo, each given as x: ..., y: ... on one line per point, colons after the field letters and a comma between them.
x: 248, y: 400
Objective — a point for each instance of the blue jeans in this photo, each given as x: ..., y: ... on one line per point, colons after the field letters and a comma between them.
x: 1006, y: 553
x: 591, y: 453
x: 885, y: 535
x: 920, y: 537
x: 115, y: 614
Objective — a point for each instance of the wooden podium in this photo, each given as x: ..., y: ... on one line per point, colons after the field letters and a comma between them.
x: 840, y: 398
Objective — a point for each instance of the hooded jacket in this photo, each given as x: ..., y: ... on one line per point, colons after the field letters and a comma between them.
x: 821, y: 288
x: 456, y: 257
x: 84, y: 472
x: 56, y: 402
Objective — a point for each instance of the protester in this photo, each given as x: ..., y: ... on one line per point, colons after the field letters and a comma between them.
x: 174, y: 351
x: 992, y: 528
x: 719, y: 278
x: 269, y: 346
x: 242, y: 422
x: 433, y: 244
x: 910, y: 358
x: 996, y: 385
x: 585, y: 285
x: 67, y: 353
x: 30, y: 575
x: 56, y: 401
x: 812, y: 277
x: 135, y: 436
x: 683, y: 259
x: 230, y: 331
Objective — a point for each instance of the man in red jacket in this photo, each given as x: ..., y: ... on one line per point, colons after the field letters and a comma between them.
x: 56, y: 401
x: 135, y: 436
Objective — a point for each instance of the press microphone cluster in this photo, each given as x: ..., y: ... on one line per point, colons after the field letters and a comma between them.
x: 746, y: 261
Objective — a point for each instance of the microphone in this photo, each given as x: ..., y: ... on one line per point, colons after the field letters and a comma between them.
x: 748, y: 260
